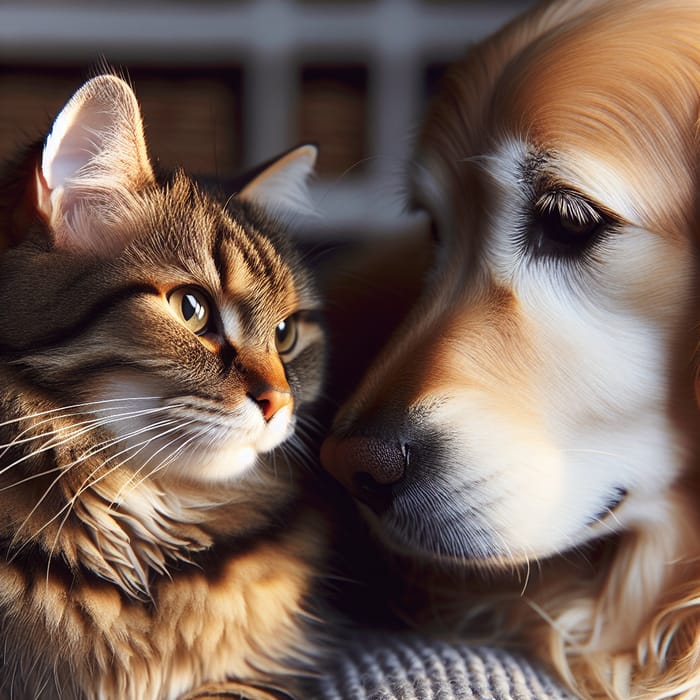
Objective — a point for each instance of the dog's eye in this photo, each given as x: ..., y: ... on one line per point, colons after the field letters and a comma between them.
x: 566, y: 219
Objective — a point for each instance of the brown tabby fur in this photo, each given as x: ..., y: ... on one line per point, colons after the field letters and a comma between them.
x: 121, y: 577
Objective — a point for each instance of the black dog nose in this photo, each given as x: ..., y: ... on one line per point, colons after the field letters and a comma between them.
x: 368, y: 467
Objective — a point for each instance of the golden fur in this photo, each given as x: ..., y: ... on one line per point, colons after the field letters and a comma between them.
x: 532, y: 420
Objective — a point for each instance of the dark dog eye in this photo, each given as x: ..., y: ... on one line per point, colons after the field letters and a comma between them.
x: 567, y: 220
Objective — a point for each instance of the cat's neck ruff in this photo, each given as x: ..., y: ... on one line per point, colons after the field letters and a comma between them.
x: 131, y: 530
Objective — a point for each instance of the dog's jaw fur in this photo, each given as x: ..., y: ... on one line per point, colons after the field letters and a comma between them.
x: 539, y: 386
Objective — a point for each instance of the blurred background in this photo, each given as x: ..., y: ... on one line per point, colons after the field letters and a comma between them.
x: 226, y: 84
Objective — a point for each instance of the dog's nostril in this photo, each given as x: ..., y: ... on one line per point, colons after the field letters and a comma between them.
x: 365, y: 482
x: 368, y: 466
x: 376, y: 495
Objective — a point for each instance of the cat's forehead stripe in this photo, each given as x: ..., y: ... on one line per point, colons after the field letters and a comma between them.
x: 248, y: 245
x: 219, y: 258
x: 246, y: 259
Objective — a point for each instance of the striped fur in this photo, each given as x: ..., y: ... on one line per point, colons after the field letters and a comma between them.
x: 150, y: 546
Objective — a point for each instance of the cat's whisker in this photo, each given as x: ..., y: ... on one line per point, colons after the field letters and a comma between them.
x: 300, y: 452
x: 309, y: 425
x: 94, y: 449
x: 295, y: 457
x: 209, y: 438
x: 51, y: 444
x: 44, y: 447
x: 90, y: 482
x: 305, y: 440
x: 70, y: 504
x: 30, y: 416
x: 304, y: 443
x: 64, y: 469
x: 131, y: 482
x: 163, y: 464
x: 91, y: 423
x: 119, y: 496
x: 310, y: 421
x: 196, y: 435
x: 287, y: 462
x: 159, y: 466
x: 213, y: 438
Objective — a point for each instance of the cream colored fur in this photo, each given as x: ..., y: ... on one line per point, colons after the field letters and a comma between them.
x: 538, y: 400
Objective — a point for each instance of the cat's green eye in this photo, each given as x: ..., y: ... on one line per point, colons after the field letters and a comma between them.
x: 191, y: 307
x: 286, y: 335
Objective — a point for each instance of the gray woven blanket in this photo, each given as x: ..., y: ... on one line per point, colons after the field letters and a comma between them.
x: 383, y: 667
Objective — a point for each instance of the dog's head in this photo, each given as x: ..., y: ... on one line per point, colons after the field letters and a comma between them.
x: 525, y: 406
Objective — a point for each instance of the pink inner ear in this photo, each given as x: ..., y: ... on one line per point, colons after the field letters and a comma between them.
x: 43, y: 196
x: 79, y: 134
x: 95, y: 157
x: 66, y: 165
x: 283, y: 185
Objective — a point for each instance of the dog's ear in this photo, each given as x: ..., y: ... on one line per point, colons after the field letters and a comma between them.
x: 430, y: 196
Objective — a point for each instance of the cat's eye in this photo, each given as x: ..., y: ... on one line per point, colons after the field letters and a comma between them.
x: 191, y: 307
x: 286, y: 335
x: 567, y: 219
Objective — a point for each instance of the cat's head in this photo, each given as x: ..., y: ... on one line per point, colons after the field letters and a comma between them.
x: 179, y: 333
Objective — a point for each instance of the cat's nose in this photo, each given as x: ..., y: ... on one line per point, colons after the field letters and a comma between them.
x: 270, y: 401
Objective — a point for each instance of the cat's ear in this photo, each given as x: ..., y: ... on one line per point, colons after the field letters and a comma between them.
x: 94, y: 157
x: 282, y: 186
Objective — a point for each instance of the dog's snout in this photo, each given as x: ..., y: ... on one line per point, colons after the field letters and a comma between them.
x: 368, y: 467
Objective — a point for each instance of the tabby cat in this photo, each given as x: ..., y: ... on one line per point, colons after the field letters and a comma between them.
x: 154, y: 346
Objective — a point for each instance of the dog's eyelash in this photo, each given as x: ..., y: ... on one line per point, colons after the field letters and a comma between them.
x: 564, y: 223
x: 570, y: 207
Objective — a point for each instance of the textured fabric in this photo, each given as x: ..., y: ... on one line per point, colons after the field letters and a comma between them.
x: 411, y: 668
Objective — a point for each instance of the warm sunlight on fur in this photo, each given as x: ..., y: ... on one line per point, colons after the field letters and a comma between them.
x: 157, y: 342
x: 534, y: 416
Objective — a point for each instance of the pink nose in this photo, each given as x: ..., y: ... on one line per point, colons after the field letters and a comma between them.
x: 271, y: 400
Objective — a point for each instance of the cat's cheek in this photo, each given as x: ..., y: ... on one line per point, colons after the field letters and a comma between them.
x: 234, y: 462
x: 278, y: 429
x: 225, y: 466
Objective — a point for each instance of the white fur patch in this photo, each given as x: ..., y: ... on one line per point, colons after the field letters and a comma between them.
x: 186, y: 437
x: 588, y: 416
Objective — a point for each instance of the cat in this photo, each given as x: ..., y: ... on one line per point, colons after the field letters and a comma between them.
x: 155, y: 345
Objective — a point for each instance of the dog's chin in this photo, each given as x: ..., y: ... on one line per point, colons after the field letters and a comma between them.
x: 460, y: 537
x: 439, y: 538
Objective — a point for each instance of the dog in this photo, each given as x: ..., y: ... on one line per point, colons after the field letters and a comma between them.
x: 531, y: 426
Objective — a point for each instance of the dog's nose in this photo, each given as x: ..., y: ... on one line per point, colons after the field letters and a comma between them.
x: 368, y: 467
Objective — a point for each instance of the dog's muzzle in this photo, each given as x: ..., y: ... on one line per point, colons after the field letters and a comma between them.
x: 370, y: 468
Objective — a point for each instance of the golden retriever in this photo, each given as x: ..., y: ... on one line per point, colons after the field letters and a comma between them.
x: 533, y: 418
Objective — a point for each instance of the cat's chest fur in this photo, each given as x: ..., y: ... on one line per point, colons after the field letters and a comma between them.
x: 110, y: 591
x: 236, y: 612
